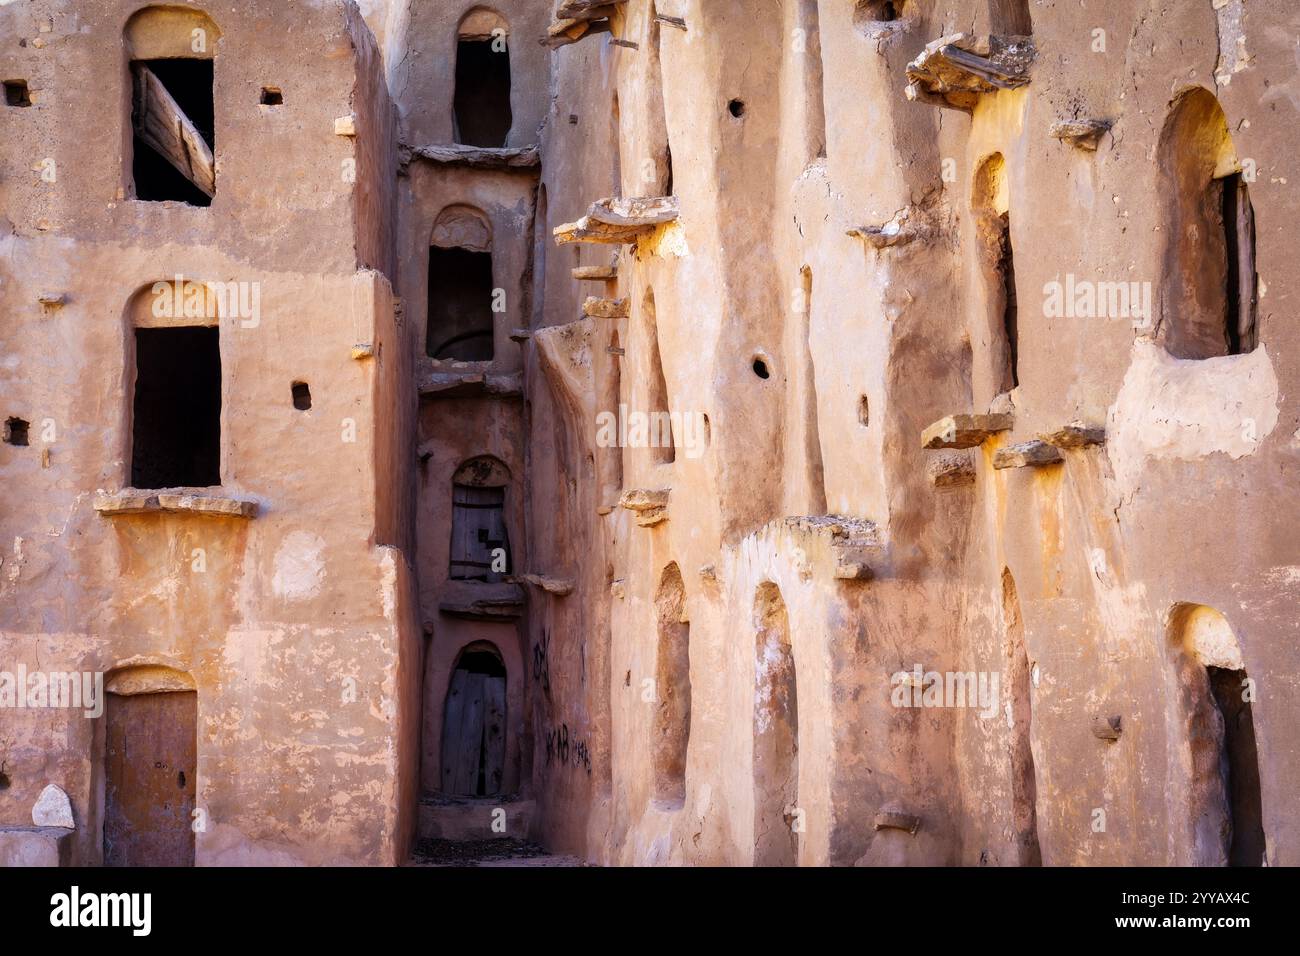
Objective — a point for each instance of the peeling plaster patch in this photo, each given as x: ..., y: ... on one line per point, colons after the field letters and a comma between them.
x: 299, y: 566
x: 1233, y: 57
x: 388, y: 582
x: 1187, y: 409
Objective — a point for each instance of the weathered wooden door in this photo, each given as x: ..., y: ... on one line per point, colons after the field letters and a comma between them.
x: 150, y: 754
x: 478, y: 529
x: 474, y: 727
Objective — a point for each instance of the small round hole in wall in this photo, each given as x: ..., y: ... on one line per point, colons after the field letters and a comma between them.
x: 760, y: 367
x: 301, y: 396
x: 879, y: 18
x: 864, y: 412
x: 736, y: 108
x: 15, y: 432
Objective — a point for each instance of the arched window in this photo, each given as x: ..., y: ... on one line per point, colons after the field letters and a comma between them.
x: 482, y: 104
x: 171, y: 53
x: 1226, y: 809
x: 776, y: 733
x: 1208, y: 293
x: 991, y: 205
x: 461, y: 291
x: 176, y: 406
x: 474, y: 724
x: 480, y: 545
x: 672, y: 724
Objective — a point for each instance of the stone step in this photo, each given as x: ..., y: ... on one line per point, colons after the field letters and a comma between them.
x: 472, y: 818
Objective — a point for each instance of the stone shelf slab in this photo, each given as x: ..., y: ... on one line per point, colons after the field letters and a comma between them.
x: 964, y: 431
x: 1076, y: 435
x: 598, y: 308
x: 438, y: 384
x: 560, y: 587
x: 1082, y: 133
x: 477, y: 157
x: 619, y: 221
x: 1029, y: 454
x: 651, y: 507
x: 595, y: 273
x: 173, y: 501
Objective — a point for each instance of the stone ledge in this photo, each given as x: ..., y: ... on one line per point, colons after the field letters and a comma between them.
x: 132, y: 501
x: 1029, y: 454
x: 481, y: 600
x: 35, y: 847
x: 522, y: 157
x: 435, y: 384
x: 651, y: 507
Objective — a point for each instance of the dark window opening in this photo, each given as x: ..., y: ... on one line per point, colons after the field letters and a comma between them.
x: 302, y: 396
x: 1240, y: 766
x: 272, y: 96
x: 175, y: 133
x: 482, y: 104
x: 877, y: 11
x: 1006, y: 268
x: 864, y: 412
x: 460, y: 305
x: 480, y: 547
x: 16, y: 93
x: 761, y: 369
x: 16, y: 432
x: 736, y: 108
x: 1242, y: 282
x: 177, y: 423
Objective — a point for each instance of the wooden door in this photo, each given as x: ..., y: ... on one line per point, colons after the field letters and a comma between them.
x: 474, y: 730
x: 151, y: 753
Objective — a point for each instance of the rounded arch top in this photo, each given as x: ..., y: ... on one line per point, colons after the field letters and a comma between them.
x: 482, y: 472
x: 1196, y: 135
x: 462, y: 227
x: 145, y: 677
x: 1206, y: 636
x: 168, y: 32
x: 483, y: 23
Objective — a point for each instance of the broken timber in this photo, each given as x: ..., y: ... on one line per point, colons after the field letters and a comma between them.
x: 955, y: 70
x: 964, y: 431
x: 160, y: 122
x: 578, y: 19
x: 619, y: 221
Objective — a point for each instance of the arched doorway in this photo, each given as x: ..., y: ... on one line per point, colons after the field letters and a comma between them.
x: 150, y: 768
x: 474, y: 724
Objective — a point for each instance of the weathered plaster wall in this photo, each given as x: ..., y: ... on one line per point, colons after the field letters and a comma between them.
x: 298, y: 629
